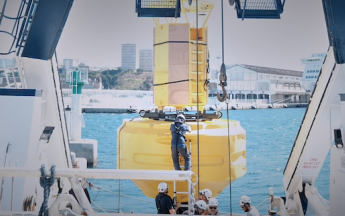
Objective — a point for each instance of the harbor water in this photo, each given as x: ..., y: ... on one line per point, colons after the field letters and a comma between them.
x: 270, y: 136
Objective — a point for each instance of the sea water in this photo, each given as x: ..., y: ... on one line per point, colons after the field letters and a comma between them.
x: 270, y: 136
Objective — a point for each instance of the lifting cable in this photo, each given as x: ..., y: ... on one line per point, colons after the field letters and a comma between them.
x: 224, y: 98
x: 197, y: 88
x: 227, y: 116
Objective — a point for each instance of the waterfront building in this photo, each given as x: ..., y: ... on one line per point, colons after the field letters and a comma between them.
x: 252, y: 84
x: 82, y: 65
x: 312, y: 70
x: 128, y: 57
x: 145, y: 59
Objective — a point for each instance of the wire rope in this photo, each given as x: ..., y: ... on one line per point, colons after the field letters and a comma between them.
x: 197, y: 88
x: 99, y: 188
x: 227, y: 116
x: 99, y: 207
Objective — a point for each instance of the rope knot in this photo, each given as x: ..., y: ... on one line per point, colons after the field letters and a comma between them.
x: 46, y: 183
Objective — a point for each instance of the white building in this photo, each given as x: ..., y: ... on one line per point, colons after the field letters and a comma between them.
x: 128, y: 57
x: 145, y: 59
x: 7, y: 63
x: 68, y: 63
x: 248, y: 84
x: 312, y: 70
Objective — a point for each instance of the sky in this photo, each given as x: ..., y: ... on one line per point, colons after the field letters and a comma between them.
x: 95, y: 30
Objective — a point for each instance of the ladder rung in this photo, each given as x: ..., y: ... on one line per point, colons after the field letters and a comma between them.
x: 181, y: 192
x: 199, y: 52
x: 199, y: 42
x: 194, y: 62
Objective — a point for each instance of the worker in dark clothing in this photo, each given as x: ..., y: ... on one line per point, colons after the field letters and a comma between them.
x: 178, y: 142
x: 164, y: 202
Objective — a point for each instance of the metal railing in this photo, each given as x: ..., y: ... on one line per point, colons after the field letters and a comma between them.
x: 73, y: 174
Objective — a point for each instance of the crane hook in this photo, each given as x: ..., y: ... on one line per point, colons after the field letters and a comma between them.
x: 222, y: 83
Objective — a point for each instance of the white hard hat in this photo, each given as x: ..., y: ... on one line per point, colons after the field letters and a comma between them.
x: 180, y: 118
x: 207, y: 193
x: 213, y: 202
x: 244, y: 200
x: 201, y: 204
x: 162, y: 186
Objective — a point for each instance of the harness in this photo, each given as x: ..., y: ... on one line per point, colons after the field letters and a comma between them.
x: 178, y: 131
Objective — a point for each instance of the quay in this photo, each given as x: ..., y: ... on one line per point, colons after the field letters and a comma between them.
x: 131, y: 101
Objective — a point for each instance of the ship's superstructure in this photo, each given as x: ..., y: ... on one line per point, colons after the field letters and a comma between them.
x: 311, y: 71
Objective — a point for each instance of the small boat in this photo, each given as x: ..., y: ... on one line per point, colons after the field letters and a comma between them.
x: 131, y: 110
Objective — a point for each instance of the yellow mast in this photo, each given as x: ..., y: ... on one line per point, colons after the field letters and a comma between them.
x: 175, y: 59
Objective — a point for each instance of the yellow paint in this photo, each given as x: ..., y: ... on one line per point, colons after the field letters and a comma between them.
x: 145, y: 144
x: 197, y: 55
x: 161, y: 65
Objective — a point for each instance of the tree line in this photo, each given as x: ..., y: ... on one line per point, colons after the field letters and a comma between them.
x: 124, y: 80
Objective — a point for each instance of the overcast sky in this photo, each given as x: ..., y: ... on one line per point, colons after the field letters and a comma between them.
x: 96, y: 29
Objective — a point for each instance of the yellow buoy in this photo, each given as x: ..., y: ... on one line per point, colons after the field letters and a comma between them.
x: 181, y: 66
x: 144, y: 144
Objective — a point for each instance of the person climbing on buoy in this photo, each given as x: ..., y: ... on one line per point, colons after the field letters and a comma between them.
x: 178, y: 142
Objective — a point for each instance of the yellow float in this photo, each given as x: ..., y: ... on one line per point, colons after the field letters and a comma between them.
x: 180, y: 73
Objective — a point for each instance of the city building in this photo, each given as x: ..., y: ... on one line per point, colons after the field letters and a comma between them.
x: 312, y: 70
x: 249, y: 84
x: 128, y: 57
x: 145, y: 59
x: 68, y: 64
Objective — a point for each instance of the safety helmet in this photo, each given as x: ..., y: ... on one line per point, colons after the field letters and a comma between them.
x: 207, y: 193
x: 180, y: 118
x: 245, y: 200
x: 162, y: 186
x: 201, y: 204
x: 213, y: 202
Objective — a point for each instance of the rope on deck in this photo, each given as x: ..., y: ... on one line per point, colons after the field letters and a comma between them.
x: 46, y: 183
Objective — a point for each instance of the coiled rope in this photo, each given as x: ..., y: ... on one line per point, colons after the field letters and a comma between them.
x: 46, y: 183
